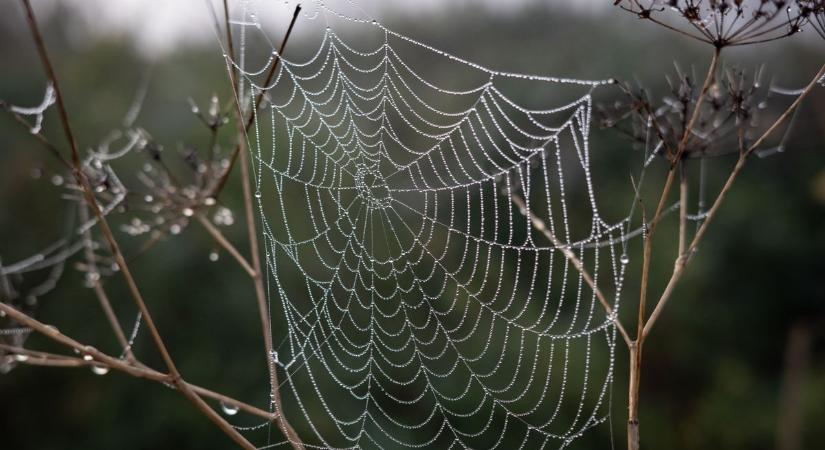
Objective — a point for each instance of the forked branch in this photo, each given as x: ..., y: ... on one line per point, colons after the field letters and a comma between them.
x: 255, y: 271
x: 683, y: 260
x: 88, y: 193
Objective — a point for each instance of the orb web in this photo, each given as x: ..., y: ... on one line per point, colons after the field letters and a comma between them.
x: 416, y: 303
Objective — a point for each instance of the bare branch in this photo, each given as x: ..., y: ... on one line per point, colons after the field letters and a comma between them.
x: 540, y: 226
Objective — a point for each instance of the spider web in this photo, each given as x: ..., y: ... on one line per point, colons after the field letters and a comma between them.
x: 419, y: 305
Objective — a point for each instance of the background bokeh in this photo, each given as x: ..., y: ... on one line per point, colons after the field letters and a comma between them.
x: 714, y: 368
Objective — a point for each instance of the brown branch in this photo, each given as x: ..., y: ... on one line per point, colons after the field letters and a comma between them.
x: 134, y: 369
x: 636, y: 349
x: 540, y: 226
x: 113, y: 246
x: 242, y: 139
x: 648, y: 246
x: 39, y: 136
x: 256, y: 272
x: 97, y: 286
x: 683, y: 260
x: 223, y: 242
x: 683, y: 197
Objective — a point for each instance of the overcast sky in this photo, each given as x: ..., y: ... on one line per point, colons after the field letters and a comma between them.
x: 158, y: 26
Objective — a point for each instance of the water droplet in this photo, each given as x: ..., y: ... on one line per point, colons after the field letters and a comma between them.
x: 223, y: 216
x: 624, y: 259
x: 88, y: 357
x: 92, y: 278
x: 188, y: 212
x: 99, y: 369
x: 229, y: 410
x: 175, y: 229
x: 209, y: 201
x: 148, y: 198
x: 57, y: 180
x: 21, y: 358
x: 213, y: 256
x: 258, y: 194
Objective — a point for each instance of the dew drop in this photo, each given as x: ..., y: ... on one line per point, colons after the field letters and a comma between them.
x: 99, y: 369
x: 209, y: 201
x: 188, y: 212
x: 175, y: 229
x: 91, y: 279
x: 258, y: 194
x: 21, y: 358
x: 624, y: 259
x: 229, y: 410
x: 148, y: 198
x: 57, y: 180
x: 213, y: 256
x: 88, y: 357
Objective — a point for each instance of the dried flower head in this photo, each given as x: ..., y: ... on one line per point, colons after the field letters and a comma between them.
x: 727, y: 117
x: 724, y: 23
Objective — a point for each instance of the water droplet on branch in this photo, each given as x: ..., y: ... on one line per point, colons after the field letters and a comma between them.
x: 229, y: 410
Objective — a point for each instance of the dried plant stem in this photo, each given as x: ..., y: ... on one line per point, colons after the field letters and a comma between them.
x: 256, y: 271
x: 237, y: 151
x: 134, y: 369
x: 97, y: 286
x: 637, y: 347
x: 113, y: 246
x: 39, y: 136
x: 683, y: 260
x: 540, y: 226
x: 226, y: 245
x: 683, y: 199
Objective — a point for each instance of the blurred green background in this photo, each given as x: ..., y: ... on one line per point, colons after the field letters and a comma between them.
x: 713, y: 371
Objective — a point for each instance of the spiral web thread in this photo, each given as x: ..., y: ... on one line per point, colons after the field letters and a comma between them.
x: 416, y: 304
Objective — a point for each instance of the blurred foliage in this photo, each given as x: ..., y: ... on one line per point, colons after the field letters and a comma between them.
x: 712, y: 370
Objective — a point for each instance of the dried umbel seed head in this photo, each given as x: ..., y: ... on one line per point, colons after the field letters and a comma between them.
x: 728, y: 114
x: 724, y: 23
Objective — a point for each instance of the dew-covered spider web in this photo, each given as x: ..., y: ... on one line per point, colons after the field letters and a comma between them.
x: 413, y: 207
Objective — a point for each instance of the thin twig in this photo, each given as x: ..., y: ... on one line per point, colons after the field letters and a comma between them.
x: 134, y: 369
x: 682, y: 262
x: 97, y: 286
x: 540, y: 226
x: 256, y: 272
x: 237, y: 151
x: 114, y: 248
x: 223, y: 242
x: 683, y: 196
x: 39, y: 136
x: 638, y: 344
x: 648, y: 247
